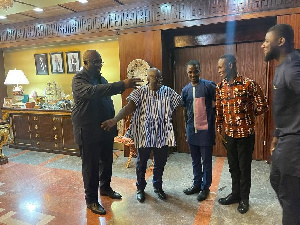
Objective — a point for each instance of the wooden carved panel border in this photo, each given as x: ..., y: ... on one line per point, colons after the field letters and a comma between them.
x: 134, y: 17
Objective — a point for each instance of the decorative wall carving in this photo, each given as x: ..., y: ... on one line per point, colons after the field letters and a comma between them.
x: 155, y: 14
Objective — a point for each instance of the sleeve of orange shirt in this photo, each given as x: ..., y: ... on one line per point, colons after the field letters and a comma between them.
x: 219, y: 110
x: 260, y: 101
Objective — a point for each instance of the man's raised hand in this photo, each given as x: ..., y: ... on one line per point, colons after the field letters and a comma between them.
x: 132, y: 82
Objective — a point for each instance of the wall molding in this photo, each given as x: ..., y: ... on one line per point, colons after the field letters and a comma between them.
x: 129, y: 17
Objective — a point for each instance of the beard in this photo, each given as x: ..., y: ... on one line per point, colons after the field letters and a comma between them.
x: 95, y: 69
x: 272, y: 54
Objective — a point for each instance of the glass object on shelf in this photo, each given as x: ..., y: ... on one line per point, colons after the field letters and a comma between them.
x: 65, y: 104
x: 53, y: 91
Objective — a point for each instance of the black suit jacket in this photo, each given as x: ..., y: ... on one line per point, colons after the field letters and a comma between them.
x: 93, y: 105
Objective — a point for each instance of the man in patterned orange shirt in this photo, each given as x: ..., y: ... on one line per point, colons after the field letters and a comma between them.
x: 238, y: 101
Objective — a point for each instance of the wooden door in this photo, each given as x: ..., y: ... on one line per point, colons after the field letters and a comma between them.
x: 250, y: 64
x: 21, y: 129
x: 208, y: 57
x: 68, y: 136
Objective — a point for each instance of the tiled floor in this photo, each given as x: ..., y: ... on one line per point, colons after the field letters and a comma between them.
x: 44, y: 188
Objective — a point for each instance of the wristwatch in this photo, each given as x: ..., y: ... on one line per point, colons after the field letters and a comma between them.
x: 137, y: 68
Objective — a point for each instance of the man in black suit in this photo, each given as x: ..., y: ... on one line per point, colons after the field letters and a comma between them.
x: 93, y: 105
x: 285, y: 147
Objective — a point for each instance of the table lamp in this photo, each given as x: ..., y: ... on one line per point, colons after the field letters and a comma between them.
x: 16, y: 77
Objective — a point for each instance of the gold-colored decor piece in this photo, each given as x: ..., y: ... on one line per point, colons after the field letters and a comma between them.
x: 4, y: 136
x: 6, y: 112
x: 5, y: 115
x: 40, y: 100
x: 138, y: 69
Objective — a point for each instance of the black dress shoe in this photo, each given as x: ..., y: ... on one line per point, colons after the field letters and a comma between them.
x: 110, y: 193
x: 140, y: 195
x: 160, y: 193
x: 95, y: 207
x: 230, y: 199
x: 203, y: 195
x: 192, y: 190
x: 243, y: 206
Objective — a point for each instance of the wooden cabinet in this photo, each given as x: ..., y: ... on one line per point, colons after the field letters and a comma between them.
x: 21, y: 131
x: 68, y: 138
x: 42, y: 130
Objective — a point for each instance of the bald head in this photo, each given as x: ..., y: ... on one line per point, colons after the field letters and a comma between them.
x: 154, y: 78
x: 154, y: 72
x: 90, y: 55
x: 92, y: 61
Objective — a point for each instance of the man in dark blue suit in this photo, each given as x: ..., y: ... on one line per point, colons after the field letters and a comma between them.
x: 198, y: 100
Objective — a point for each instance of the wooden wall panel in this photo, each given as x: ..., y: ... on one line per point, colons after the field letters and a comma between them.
x: 269, y: 129
x: 3, y: 87
x: 208, y: 57
x: 251, y: 64
x: 146, y: 46
x: 294, y: 21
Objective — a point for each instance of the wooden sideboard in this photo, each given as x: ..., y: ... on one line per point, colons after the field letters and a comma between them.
x: 41, y: 130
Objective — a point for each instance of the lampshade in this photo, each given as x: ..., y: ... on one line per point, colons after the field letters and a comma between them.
x: 16, y: 77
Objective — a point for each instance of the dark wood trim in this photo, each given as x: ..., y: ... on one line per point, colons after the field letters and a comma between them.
x: 132, y: 18
x: 3, y: 87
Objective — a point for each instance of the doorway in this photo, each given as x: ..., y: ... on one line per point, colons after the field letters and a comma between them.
x: 250, y: 63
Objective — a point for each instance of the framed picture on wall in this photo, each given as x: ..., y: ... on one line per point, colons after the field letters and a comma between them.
x: 41, y: 64
x: 57, y: 63
x: 73, y: 62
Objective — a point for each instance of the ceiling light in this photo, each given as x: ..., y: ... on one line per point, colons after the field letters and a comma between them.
x: 38, y: 9
x: 83, y: 1
x: 3, y: 17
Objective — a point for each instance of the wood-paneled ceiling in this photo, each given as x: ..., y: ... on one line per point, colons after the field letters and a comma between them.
x: 22, y: 10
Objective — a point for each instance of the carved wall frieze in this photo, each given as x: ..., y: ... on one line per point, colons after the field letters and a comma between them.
x: 151, y: 15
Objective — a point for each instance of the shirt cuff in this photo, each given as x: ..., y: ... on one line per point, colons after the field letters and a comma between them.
x: 276, y: 132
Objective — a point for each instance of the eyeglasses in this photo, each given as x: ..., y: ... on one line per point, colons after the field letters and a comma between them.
x: 97, y: 61
x: 156, y: 78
